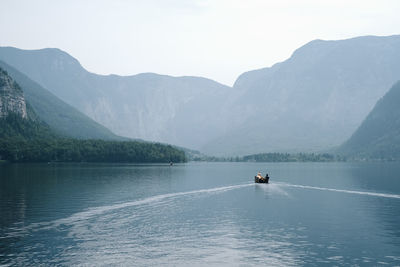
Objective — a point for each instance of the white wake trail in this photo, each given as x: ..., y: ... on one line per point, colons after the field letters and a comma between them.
x: 342, y: 190
x: 96, y: 211
x: 91, y: 212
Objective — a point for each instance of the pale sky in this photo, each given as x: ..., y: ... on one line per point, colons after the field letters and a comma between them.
x: 217, y: 39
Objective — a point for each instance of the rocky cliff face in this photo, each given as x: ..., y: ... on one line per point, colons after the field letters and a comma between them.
x: 61, y: 117
x: 185, y: 111
x: 11, y: 97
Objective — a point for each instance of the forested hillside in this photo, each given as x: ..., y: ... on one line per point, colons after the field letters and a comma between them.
x: 61, y: 117
x: 25, y: 138
x: 184, y: 111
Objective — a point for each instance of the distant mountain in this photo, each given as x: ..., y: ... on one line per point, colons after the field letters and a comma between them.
x: 61, y: 117
x: 311, y: 102
x: 185, y: 111
x: 378, y: 137
x: 314, y: 100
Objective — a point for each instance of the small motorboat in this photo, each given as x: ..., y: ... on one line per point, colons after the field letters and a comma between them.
x: 261, y: 180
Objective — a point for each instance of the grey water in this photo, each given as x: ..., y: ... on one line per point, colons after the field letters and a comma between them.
x: 311, y: 214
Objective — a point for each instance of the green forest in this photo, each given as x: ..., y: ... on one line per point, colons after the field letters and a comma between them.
x: 298, y: 157
x: 272, y: 157
x: 23, y: 140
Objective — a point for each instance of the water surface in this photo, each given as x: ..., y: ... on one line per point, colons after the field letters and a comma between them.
x: 200, y: 214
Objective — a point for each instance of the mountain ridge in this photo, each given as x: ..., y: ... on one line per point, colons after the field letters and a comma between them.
x: 310, y: 102
x: 64, y: 119
x: 147, y: 106
x: 314, y: 100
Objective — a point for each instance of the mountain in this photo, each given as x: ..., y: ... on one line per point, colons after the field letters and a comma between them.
x: 311, y: 102
x: 61, y: 117
x: 11, y: 97
x: 25, y: 138
x: 314, y: 100
x: 378, y: 137
x: 185, y: 111
x: 18, y: 120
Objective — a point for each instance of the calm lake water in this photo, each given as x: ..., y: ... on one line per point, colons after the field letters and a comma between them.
x: 200, y: 214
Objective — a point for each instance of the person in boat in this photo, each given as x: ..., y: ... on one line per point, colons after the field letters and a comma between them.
x: 259, y: 175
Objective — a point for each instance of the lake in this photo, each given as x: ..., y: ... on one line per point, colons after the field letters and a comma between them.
x: 312, y: 214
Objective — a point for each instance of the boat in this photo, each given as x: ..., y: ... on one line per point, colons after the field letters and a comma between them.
x: 261, y: 180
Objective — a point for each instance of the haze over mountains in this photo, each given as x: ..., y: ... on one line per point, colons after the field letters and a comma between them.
x: 378, y: 137
x: 179, y: 110
x: 25, y: 137
x: 313, y: 101
x: 61, y: 117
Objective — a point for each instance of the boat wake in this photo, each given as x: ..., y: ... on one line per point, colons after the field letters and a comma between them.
x: 92, y: 212
x: 96, y: 211
x: 366, y: 193
x: 84, y: 216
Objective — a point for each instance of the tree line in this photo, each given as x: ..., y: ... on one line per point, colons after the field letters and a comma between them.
x: 274, y: 157
x: 24, y: 140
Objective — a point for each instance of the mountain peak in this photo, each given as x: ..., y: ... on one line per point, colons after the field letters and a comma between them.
x: 53, y: 58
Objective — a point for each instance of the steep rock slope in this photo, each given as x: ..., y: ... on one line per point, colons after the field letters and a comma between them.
x: 11, y: 97
x: 378, y: 137
x: 314, y: 100
x: 24, y: 137
x: 61, y: 117
x: 186, y: 111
